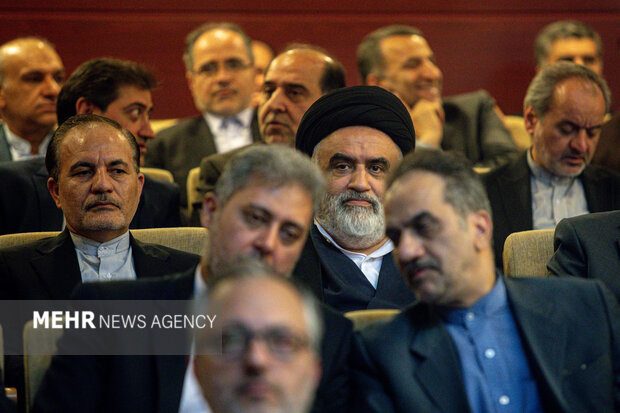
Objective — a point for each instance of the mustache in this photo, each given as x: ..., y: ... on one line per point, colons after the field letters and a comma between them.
x: 425, y: 263
x: 356, y: 196
x: 101, y: 198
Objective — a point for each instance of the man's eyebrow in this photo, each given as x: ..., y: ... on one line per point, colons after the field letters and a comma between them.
x: 135, y: 104
x: 117, y: 162
x: 81, y: 164
x: 381, y: 160
x: 341, y: 157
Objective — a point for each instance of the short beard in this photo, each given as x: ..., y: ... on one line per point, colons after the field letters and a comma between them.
x: 353, y: 226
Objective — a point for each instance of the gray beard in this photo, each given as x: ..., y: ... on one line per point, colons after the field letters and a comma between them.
x: 352, y: 226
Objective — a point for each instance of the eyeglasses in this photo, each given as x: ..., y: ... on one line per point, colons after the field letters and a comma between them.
x: 282, y: 343
x: 233, y: 65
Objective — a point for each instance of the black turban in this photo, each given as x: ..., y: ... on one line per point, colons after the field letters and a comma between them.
x: 369, y: 106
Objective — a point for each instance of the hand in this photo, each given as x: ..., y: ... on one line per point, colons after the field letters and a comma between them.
x: 428, y: 118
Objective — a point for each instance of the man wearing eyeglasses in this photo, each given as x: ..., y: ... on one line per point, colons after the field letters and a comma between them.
x: 220, y: 73
x: 267, y: 355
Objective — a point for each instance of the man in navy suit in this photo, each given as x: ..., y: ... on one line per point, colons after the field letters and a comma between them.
x: 476, y: 341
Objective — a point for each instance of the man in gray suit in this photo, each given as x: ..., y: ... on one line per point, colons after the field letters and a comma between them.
x: 476, y: 341
x: 399, y: 59
x: 31, y: 74
x: 220, y: 73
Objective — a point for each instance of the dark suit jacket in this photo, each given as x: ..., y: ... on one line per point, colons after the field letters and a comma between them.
x: 510, y: 194
x: 181, y: 147
x: 154, y: 383
x: 570, y: 333
x: 6, y: 406
x: 48, y: 269
x: 607, y: 153
x: 27, y: 206
x: 337, y: 281
x: 588, y: 246
x: 473, y: 128
x: 5, y: 148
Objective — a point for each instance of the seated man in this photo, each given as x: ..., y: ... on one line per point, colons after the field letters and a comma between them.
x: 119, y: 90
x: 220, y: 73
x: 476, y: 341
x: 256, y: 304
x: 564, y: 110
x: 96, y: 181
x: 262, y: 207
x: 355, y: 135
x: 31, y: 74
x: 294, y: 80
x: 399, y: 59
x: 587, y: 246
x: 569, y: 40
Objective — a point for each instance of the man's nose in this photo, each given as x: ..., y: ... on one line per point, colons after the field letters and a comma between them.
x: 359, y: 180
x: 409, y: 247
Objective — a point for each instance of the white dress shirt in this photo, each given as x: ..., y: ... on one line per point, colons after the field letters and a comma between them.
x: 21, y: 148
x: 554, y: 197
x: 369, y: 265
x: 230, y: 132
x: 104, y: 261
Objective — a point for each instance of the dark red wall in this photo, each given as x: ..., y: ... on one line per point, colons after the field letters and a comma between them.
x: 478, y: 44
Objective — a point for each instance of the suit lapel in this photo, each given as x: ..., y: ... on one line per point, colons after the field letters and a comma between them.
x: 148, y: 262
x: 308, y: 267
x: 254, y: 131
x: 5, y: 149
x: 516, y: 195
x: 543, y: 338
x: 436, y: 361
x: 202, y: 129
x: 599, y: 193
x: 58, y: 267
x: 50, y: 217
x: 171, y: 369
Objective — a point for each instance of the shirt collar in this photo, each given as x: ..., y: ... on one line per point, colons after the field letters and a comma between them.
x: 543, y: 175
x: 200, y: 287
x: 22, y: 146
x: 385, y: 249
x: 92, y: 248
x: 493, y: 302
x: 245, y: 117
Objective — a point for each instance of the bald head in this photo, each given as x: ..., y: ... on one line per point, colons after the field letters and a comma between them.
x: 294, y: 80
x: 31, y: 74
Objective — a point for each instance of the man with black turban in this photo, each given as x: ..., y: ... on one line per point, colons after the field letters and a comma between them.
x: 355, y: 135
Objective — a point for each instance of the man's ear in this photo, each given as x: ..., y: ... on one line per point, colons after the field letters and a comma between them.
x: 373, y: 80
x: 209, y: 208
x: 483, y: 229
x: 52, y: 186
x: 83, y: 106
x: 530, y: 119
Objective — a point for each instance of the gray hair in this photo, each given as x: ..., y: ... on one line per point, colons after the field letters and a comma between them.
x: 369, y: 56
x: 274, y: 166
x: 463, y: 190
x: 563, y: 29
x: 540, y: 91
x: 192, y: 37
x: 248, y: 268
